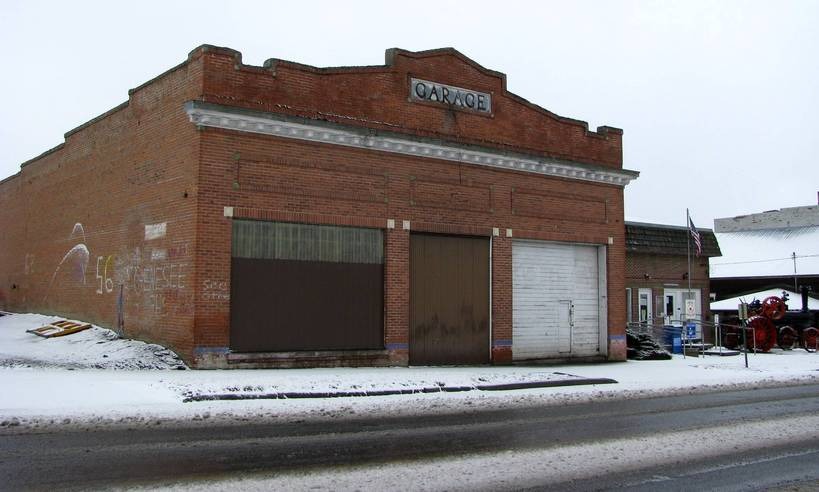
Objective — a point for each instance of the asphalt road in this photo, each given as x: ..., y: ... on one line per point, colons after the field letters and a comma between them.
x: 793, y: 467
x: 146, y: 456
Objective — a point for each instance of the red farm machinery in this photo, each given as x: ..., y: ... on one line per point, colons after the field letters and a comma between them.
x: 770, y: 323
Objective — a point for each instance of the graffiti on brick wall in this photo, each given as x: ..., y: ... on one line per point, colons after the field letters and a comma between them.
x: 151, y: 280
x: 106, y: 283
x: 154, y: 279
x: 29, y: 264
x: 213, y: 290
x: 159, y: 276
x: 74, y: 262
x: 138, y: 274
x: 161, y: 284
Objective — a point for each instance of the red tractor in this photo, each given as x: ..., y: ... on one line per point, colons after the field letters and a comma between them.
x: 771, y: 324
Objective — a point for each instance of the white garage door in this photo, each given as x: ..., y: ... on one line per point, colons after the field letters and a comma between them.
x: 556, y: 300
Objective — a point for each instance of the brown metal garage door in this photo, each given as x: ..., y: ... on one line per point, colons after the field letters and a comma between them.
x: 449, y: 300
x: 306, y: 287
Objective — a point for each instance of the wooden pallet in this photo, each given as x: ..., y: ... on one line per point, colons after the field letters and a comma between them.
x: 59, y: 329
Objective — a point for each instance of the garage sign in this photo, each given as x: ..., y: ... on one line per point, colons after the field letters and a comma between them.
x: 424, y: 90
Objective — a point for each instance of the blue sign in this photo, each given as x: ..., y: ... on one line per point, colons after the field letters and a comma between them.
x: 691, y: 330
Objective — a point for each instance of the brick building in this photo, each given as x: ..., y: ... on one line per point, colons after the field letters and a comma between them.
x: 284, y: 215
x: 657, y: 275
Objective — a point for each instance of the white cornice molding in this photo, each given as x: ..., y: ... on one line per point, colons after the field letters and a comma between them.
x: 229, y: 120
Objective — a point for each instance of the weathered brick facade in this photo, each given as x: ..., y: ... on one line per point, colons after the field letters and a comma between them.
x: 128, y: 223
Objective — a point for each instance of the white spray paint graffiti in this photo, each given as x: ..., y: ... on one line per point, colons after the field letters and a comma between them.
x: 159, y: 254
x: 215, y: 291
x: 158, y: 283
x: 78, y: 232
x: 149, y: 278
x: 153, y: 277
x: 77, y: 257
x: 106, y: 283
x: 29, y: 266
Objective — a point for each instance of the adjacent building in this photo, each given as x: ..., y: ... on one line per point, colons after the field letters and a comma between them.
x: 777, y: 249
x: 415, y: 212
x: 657, y: 275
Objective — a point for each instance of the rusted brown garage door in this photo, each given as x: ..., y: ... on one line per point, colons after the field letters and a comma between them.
x: 306, y: 287
x: 449, y: 300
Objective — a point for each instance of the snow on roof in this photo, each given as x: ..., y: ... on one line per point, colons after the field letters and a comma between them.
x: 767, y: 253
x: 794, y: 300
x: 772, y: 219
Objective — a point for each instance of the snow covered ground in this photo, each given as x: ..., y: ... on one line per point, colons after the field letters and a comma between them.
x: 93, y: 378
x: 95, y: 348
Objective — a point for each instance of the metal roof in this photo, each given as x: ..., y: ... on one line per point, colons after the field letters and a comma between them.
x: 768, y: 253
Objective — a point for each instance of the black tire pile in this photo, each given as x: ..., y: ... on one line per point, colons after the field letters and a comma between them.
x: 641, y: 346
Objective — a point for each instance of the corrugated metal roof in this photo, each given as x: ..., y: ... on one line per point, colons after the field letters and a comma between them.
x: 767, y: 253
x: 667, y: 239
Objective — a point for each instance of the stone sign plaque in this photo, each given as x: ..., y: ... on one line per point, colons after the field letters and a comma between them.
x: 424, y: 90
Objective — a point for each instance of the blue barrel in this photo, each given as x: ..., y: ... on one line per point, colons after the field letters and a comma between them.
x: 672, y: 338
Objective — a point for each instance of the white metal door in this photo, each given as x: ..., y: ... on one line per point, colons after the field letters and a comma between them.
x: 556, y: 300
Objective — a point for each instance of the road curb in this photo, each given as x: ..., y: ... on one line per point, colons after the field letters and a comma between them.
x: 391, y: 392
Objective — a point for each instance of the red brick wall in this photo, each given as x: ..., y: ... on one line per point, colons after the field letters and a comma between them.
x: 76, y: 219
x: 14, y: 261
x: 377, y: 97
x: 145, y: 163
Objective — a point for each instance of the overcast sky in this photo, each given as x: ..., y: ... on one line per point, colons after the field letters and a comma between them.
x: 719, y: 101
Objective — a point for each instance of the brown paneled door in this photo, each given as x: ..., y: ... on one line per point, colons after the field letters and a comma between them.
x: 449, y: 300
x: 306, y: 287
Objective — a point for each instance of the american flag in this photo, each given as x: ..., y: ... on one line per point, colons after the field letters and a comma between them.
x: 695, y: 235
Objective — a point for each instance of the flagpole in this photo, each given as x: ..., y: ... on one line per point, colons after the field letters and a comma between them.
x: 688, y: 254
x: 688, y: 248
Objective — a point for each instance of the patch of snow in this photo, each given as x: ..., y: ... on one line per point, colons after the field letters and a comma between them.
x: 94, y: 348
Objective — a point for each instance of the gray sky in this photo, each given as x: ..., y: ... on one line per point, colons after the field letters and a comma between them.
x: 719, y: 100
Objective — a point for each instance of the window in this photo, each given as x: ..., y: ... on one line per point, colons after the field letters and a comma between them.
x: 669, y: 305
x: 303, y: 242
